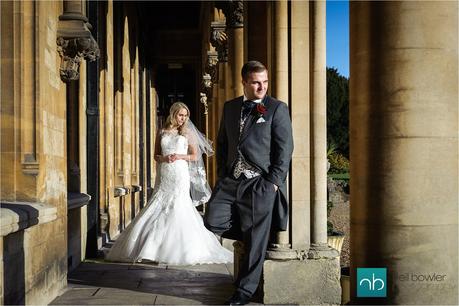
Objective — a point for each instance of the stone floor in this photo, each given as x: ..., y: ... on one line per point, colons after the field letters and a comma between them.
x: 99, y: 282
x: 96, y: 282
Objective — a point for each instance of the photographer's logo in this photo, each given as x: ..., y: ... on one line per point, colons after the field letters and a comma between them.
x: 371, y: 282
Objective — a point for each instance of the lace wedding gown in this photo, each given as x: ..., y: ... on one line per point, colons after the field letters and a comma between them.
x: 169, y: 229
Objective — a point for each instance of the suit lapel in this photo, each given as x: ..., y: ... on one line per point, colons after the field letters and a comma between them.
x: 235, y: 116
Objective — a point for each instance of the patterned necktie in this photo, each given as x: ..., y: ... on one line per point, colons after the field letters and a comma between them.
x: 247, y: 107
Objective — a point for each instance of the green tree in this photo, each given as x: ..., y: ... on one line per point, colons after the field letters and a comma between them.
x: 338, y: 111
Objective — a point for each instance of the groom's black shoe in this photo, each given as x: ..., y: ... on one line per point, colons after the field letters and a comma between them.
x: 238, y: 298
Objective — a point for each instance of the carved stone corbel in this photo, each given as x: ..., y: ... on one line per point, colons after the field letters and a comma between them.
x: 219, y: 40
x: 74, y: 41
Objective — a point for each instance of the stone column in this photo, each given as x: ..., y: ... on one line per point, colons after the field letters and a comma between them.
x: 237, y: 58
x: 279, y: 71
x: 258, y: 16
x: 219, y: 40
x: 234, y: 24
x: 404, y: 148
x: 73, y: 7
x: 299, y: 105
x: 318, y: 117
x: 312, y: 277
x: 280, y: 86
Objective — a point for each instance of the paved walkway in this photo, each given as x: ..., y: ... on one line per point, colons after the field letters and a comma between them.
x: 99, y: 282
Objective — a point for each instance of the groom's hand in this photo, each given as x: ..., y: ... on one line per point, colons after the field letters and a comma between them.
x: 274, y: 185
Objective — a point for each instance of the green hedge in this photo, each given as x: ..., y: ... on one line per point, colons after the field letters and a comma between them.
x: 338, y: 163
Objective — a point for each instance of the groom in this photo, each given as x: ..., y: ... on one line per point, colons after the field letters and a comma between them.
x: 254, y: 149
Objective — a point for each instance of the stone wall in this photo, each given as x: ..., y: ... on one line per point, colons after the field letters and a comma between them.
x: 33, y: 155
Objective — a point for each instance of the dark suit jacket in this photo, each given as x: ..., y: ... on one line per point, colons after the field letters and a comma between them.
x: 267, y: 146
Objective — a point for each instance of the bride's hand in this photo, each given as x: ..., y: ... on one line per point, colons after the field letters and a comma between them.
x: 170, y: 158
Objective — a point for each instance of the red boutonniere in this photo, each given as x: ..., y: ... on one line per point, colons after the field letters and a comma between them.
x: 260, y: 110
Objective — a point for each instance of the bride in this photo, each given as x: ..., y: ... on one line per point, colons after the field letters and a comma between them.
x: 169, y: 229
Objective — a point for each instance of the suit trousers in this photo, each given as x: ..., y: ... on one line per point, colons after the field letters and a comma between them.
x: 242, y: 209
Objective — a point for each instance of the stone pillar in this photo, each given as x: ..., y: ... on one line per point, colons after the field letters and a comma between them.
x: 234, y: 24
x: 318, y: 117
x: 404, y: 148
x: 280, y: 248
x: 309, y: 277
x: 73, y: 7
x: 236, y: 53
x: 299, y: 106
x: 279, y: 71
x: 219, y: 40
x: 258, y: 16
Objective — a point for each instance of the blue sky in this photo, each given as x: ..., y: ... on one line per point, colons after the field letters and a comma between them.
x: 338, y: 36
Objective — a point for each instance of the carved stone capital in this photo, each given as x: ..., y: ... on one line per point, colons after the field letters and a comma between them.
x: 72, y: 52
x: 74, y: 42
x: 219, y: 40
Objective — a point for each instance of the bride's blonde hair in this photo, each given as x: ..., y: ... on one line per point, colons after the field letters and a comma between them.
x: 171, y: 121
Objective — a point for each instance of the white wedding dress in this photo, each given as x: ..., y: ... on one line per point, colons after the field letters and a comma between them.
x: 170, y: 229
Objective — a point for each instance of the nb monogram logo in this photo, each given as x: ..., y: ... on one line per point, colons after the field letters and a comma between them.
x: 371, y: 282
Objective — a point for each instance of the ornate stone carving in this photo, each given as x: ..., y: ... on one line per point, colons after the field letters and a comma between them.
x: 72, y: 52
x: 211, y: 65
x: 207, y: 80
x: 219, y: 40
x: 234, y: 12
x: 204, y: 102
x: 235, y: 16
x: 212, y: 58
x: 74, y: 41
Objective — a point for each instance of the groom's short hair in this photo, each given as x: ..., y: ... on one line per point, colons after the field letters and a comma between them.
x: 250, y: 67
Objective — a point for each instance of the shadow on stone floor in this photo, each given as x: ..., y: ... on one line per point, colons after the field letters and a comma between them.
x: 118, y: 283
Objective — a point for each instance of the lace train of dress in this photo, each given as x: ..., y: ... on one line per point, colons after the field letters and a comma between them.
x: 170, y: 229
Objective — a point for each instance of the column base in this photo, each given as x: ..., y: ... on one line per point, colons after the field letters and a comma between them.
x: 322, y: 250
x: 304, y: 282
x: 281, y: 252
